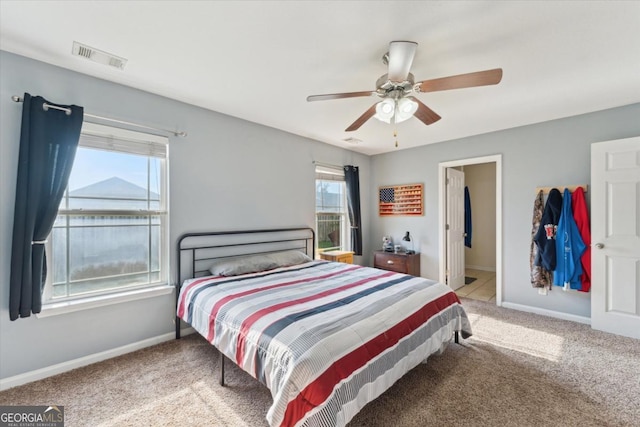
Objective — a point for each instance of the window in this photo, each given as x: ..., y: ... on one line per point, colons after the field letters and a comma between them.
x: 111, y: 230
x: 331, y: 209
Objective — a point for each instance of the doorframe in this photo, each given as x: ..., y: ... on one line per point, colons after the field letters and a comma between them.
x: 442, y: 171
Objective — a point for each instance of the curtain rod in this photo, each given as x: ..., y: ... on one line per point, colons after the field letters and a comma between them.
x: 46, y: 107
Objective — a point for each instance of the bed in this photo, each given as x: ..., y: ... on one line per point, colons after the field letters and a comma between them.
x: 326, y: 338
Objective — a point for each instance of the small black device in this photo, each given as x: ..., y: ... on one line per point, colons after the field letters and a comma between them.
x: 407, y: 238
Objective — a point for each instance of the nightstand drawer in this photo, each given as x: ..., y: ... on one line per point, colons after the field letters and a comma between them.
x: 391, y: 262
x: 398, y: 262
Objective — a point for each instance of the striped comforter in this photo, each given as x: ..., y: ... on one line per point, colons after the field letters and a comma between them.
x: 326, y: 338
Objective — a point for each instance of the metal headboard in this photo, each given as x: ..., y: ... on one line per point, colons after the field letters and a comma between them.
x: 197, y: 251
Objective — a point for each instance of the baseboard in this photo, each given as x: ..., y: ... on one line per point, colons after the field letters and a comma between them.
x: 481, y: 268
x: 549, y: 313
x: 38, y: 374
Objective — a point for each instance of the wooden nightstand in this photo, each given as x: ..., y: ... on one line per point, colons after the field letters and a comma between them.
x: 399, y: 262
x: 338, y: 256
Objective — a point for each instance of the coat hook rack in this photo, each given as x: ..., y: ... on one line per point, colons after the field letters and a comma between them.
x: 571, y: 188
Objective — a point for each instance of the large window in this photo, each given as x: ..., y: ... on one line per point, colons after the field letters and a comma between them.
x: 111, y: 230
x: 331, y: 209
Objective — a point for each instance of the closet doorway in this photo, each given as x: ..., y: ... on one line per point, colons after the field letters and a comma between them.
x: 483, y: 260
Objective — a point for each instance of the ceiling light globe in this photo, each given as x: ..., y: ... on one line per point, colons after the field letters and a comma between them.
x: 385, y: 110
x: 406, y: 109
x: 407, y: 106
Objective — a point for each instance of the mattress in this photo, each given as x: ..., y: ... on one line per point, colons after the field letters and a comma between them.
x: 325, y: 337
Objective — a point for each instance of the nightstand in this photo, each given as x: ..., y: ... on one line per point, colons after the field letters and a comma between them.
x: 338, y: 256
x: 399, y: 262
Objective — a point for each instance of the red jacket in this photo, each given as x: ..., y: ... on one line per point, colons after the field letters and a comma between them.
x: 581, y: 217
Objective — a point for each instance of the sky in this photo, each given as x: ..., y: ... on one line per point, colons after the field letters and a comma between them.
x: 91, y: 166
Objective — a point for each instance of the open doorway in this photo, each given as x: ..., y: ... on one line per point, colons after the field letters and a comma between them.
x: 481, y: 261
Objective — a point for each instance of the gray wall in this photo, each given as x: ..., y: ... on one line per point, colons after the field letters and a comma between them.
x: 546, y: 154
x: 227, y: 174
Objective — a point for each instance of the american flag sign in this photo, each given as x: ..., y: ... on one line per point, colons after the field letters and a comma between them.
x: 387, y: 195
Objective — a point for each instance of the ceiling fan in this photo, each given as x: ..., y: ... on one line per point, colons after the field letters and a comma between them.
x: 397, y: 87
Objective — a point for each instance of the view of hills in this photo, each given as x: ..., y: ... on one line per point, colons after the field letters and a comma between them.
x: 113, y: 193
x: 106, y: 250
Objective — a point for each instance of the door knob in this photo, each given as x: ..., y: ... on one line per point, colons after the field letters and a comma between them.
x: 599, y: 245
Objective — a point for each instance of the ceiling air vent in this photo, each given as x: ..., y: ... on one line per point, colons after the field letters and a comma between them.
x: 352, y: 140
x: 98, y: 56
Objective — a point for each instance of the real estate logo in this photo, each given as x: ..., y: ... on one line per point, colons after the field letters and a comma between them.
x: 31, y: 416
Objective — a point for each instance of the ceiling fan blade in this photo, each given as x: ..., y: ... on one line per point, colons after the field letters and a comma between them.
x: 363, y: 118
x: 401, y: 55
x: 339, y: 95
x: 425, y: 114
x: 479, y: 78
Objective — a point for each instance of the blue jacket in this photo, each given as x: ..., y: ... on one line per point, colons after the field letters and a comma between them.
x: 467, y: 218
x: 569, y: 248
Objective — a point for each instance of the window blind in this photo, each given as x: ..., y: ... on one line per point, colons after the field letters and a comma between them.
x: 113, y: 139
x: 329, y: 174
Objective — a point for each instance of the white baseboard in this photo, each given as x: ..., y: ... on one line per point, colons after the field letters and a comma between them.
x: 38, y: 374
x: 481, y: 268
x: 545, y: 312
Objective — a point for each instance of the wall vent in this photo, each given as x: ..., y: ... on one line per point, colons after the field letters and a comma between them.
x: 99, y: 56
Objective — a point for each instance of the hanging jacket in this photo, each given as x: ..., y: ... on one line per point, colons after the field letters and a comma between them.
x: 467, y: 218
x: 546, y: 236
x: 540, y: 278
x: 569, y: 248
x: 581, y: 216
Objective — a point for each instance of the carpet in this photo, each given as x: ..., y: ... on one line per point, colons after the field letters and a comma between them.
x: 468, y: 280
x: 518, y: 369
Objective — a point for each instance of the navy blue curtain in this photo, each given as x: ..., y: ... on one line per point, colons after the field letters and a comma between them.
x: 352, y: 179
x: 48, y: 143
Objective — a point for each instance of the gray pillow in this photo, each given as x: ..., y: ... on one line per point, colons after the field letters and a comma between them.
x: 287, y: 258
x: 255, y: 263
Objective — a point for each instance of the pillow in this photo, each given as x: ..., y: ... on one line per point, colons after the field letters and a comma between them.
x: 287, y: 258
x: 241, y: 265
x: 255, y: 263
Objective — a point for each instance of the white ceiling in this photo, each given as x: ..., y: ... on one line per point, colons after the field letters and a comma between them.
x: 260, y: 60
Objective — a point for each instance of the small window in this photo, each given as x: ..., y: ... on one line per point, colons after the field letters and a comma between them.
x: 111, y: 230
x: 331, y: 210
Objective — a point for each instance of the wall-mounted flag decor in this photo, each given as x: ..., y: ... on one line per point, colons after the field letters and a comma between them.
x: 400, y: 200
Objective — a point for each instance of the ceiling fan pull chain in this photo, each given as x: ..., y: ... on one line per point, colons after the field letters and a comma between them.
x: 395, y: 135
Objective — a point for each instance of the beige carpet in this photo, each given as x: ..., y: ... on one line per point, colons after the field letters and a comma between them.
x: 518, y: 369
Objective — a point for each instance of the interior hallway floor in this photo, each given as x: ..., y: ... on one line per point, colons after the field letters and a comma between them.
x: 483, y: 288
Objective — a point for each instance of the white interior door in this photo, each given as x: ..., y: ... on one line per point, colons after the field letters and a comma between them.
x: 615, y: 219
x: 455, y: 228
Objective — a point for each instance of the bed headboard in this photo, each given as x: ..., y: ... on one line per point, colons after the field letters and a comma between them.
x: 197, y: 251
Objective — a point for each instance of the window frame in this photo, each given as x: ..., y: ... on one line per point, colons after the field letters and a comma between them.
x: 325, y: 173
x: 119, y: 140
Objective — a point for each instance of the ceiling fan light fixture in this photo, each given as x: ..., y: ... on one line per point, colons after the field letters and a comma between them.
x: 406, y: 109
x: 385, y: 110
x: 397, y: 88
